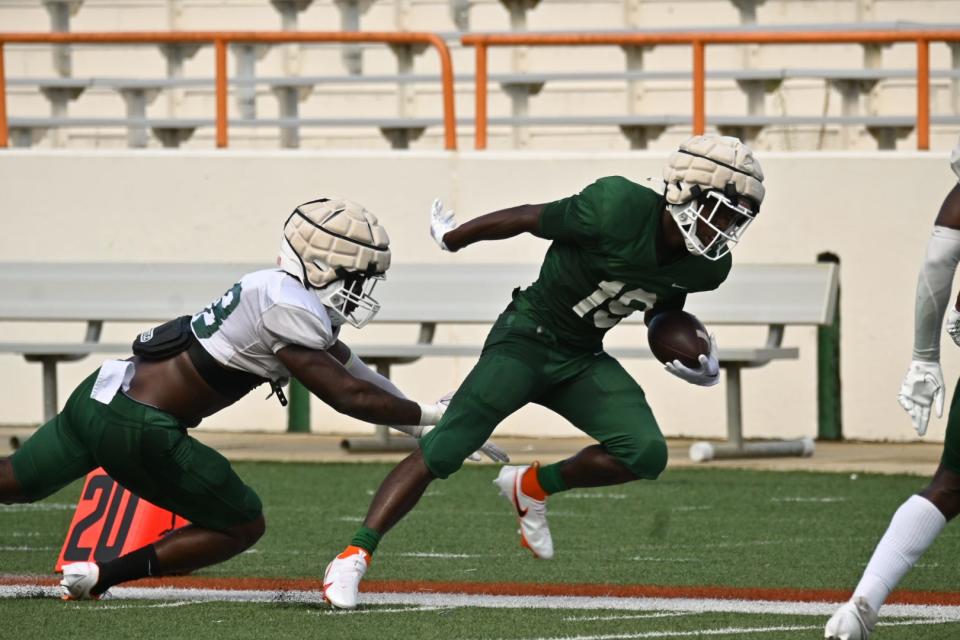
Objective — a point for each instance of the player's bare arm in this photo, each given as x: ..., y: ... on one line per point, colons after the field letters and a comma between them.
x: 323, y: 374
x: 498, y: 225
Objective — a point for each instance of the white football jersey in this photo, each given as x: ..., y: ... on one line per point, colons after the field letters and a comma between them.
x: 261, y: 314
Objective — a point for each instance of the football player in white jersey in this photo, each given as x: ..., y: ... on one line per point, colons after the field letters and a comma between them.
x: 131, y: 416
x: 920, y: 519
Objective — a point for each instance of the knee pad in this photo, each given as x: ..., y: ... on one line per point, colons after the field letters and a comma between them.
x: 645, y: 457
x: 441, y: 460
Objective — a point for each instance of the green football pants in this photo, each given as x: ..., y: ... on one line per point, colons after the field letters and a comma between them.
x: 146, y: 450
x: 951, y: 442
x: 523, y: 362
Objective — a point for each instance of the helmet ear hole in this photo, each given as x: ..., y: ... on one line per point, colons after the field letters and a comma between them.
x: 730, y: 190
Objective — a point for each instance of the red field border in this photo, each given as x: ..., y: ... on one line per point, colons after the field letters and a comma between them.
x: 522, y: 589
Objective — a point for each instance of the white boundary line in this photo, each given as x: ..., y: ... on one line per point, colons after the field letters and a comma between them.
x: 938, y: 613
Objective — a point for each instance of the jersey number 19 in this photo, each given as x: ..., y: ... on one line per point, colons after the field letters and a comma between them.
x: 610, y: 303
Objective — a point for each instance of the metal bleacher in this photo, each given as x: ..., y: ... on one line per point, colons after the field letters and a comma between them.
x: 577, y: 95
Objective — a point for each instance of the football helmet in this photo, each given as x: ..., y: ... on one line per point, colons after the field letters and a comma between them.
x: 337, y: 249
x: 713, y: 182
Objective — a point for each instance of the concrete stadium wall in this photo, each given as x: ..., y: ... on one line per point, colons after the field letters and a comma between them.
x: 874, y: 210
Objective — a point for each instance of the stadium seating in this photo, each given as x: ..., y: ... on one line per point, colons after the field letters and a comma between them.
x: 370, y: 96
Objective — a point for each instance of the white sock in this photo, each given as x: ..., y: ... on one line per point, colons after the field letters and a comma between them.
x: 914, y: 527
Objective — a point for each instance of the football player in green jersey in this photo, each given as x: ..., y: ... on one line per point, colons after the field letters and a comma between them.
x: 618, y: 247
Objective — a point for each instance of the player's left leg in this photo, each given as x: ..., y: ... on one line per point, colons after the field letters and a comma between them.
x: 605, y: 402
x: 913, y: 528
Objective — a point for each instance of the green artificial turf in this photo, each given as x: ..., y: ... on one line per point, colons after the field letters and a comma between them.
x: 692, y: 527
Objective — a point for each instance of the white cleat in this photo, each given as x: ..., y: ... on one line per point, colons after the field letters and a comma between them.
x: 341, y: 581
x: 854, y: 620
x: 78, y: 579
x: 532, y: 514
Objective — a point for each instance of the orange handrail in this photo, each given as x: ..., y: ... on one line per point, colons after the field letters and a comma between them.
x: 698, y: 41
x: 220, y: 40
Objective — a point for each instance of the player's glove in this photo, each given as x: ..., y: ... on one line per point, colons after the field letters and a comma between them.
x: 441, y: 223
x: 922, y: 388
x: 430, y: 415
x: 706, y: 375
x: 952, y: 325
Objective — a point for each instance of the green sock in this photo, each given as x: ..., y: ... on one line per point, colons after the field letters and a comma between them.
x: 367, y: 539
x: 550, y: 478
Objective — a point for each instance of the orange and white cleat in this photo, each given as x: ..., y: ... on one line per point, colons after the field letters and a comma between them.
x: 341, y: 581
x: 531, y: 513
x: 78, y: 579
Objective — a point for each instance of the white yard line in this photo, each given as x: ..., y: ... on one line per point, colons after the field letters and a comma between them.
x: 641, y: 616
x: 432, y: 554
x: 932, y: 613
x: 82, y: 606
x: 656, y: 559
x: 37, y: 506
x: 728, y: 631
x: 343, y: 612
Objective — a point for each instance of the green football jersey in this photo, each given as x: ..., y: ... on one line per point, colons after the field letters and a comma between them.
x: 602, y: 265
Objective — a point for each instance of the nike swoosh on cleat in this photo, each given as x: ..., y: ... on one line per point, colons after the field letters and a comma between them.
x: 516, y: 500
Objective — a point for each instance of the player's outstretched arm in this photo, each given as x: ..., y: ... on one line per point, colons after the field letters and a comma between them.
x: 430, y: 414
x: 329, y: 380
x: 505, y: 223
x: 923, y: 387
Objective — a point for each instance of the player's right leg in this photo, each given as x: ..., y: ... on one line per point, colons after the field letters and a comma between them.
x: 507, y: 376
x: 46, y: 462
x: 54, y: 456
x: 606, y: 403
x: 150, y: 454
x: 911, y: 531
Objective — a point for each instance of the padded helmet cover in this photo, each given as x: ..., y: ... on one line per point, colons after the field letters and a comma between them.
x: 324, y: 238
x: 712, y: 162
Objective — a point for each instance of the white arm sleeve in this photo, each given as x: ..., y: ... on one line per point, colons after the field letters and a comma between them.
x: 359, y: 369
x: 933, y: 291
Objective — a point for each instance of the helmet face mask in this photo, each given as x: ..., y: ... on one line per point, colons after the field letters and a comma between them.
x: 721, y: 219
x: 350, y: 299
x: 338, y: 250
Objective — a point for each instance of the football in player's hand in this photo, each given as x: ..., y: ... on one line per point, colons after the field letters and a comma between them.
x: 678, y: 335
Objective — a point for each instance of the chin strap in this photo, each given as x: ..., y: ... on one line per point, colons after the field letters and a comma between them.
x: 275, y: 388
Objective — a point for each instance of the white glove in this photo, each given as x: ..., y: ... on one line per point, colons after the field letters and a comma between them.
x: 706, y: 375
x: 430, y: 416
x: 441, y: 223
x: 922, y: 387
x: 952, y: 325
